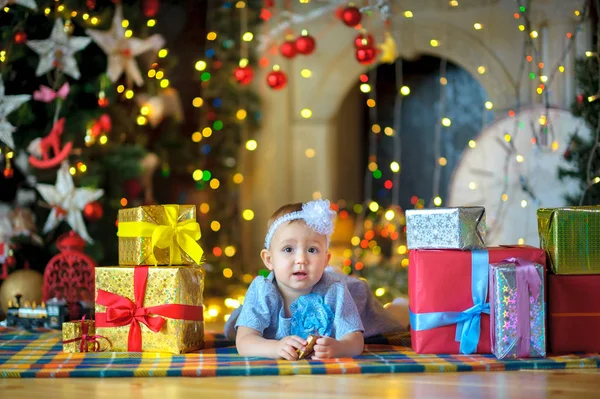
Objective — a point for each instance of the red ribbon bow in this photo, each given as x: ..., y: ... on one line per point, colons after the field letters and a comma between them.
x: 46, y: 94
x: 121, y: 311
x: 86, y: 339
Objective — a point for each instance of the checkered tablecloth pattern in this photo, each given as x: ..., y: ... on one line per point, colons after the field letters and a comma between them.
x: 38, y: 354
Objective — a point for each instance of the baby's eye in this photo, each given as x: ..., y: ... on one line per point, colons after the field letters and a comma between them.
x: 313, y: 250
x: 288, y: 249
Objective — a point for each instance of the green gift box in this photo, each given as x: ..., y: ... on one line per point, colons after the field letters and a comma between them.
x: 571, y: 238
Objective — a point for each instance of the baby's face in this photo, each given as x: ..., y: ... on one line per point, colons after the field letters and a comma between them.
x: 298, y: 256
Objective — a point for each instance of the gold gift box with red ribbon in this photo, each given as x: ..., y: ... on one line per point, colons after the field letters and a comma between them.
x: 159, y: 235
x: 73, y: 336
x: 150, y: 309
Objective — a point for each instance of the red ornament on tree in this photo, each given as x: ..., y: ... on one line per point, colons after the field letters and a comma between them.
x: 8, y: 172
x: 366, y: 55
x: 91, y: 4
x: 276, y: 79
x: 70, y: 274
x: 580, y: 99
x: 20, y: 37
x: 362, y: 40
x: 305, y: 44
x: 244, y: 75
x: 150, y: 8
x: 11, y: 261
x: 133, y: 188
x: 93, y: 211
x: 351, y: 16
x: 288, y: 49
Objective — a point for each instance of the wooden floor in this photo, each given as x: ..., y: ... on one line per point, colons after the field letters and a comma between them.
x: 511, y: 384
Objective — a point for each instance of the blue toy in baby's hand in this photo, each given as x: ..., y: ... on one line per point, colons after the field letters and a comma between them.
x: 311, y: 315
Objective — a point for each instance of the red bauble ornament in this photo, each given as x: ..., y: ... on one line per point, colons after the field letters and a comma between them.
x: 70, y: 274
x: 93, y: 211
x: 288, y: 49
x: 580, y: 99
x: 305, y: 44
x: 351, y: 16
x: 244, y: 75
x: 20, y: 37
x: 366, y: 55
x: 8, y: 173
x: 103, y: 102
x: 150, y: 8
x: 358, y: 40
x: 11, y: 261
x: 276, y: 79
x: 133, y: 188
x: 91, y: 4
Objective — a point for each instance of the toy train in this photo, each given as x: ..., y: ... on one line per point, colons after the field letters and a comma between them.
x: 51, y: 314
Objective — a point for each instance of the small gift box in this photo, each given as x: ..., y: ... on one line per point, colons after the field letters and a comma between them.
x: 570, y: 238
x: 150, y: 309
x: 446, y: 228
x: 517, y: 313
x: 80, y: 336
x: 159, y: 235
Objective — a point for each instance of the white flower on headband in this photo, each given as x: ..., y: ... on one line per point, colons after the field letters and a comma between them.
x: 317, y: 215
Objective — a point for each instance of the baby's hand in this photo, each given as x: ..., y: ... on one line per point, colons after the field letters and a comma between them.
x: 327, y: 348
x: 286, y: 347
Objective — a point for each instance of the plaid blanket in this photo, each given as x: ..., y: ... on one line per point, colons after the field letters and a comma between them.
x: 38, y: 354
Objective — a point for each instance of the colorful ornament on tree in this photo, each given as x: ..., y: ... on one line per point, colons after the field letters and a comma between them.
x: 363, y: 40
x: 70, y: 274
x: 150, y: 8
x: 58, y: 51
x: 67, y: 202
x: 121, y: 51
x: 157, y: 108
x: 288, y: 49
x: 47, y: 95
x: 149, y: 164
x: 102, y: 100
x: 93, y: 211
x: 351, y: 16
x: 388, y: 49
x: 91, y: 4
x: 305, y: 44
x: 9, y: 104
x: 580, y: 99
x: 276, y: 79
x: 133, y: 188
x: 244, y: 74
x: 24, y: 3
x: 20, y: 37
x: 102, y: 125
x: 40, y: 148
x: 366, y: 55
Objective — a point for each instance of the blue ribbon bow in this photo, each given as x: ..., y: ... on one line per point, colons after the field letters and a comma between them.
x: 468, y: 322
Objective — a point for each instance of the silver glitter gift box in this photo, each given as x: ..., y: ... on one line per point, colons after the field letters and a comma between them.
x: 446, y: 228
x: 517, y: 310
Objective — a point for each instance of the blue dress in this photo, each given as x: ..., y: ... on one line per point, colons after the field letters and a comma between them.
x: 337, y: 305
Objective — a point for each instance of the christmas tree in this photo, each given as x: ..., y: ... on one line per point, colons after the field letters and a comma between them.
x: 583, y: 152
x: 100, y: 80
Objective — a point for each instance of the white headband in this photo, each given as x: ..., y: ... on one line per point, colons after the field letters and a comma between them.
x: 317, y: 215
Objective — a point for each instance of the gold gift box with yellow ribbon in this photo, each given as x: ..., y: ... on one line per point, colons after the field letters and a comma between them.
x: 159, y: 235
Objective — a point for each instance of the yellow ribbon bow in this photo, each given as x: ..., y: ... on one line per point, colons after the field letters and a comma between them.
x: 176, y: 236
